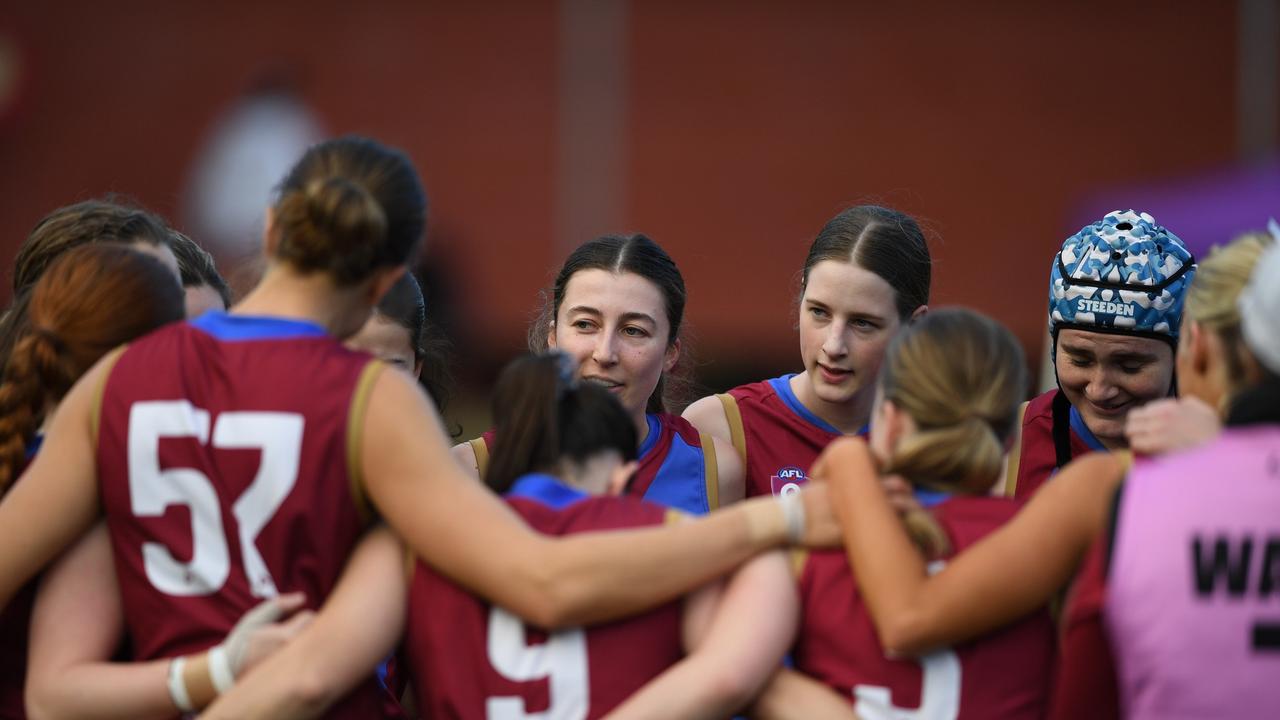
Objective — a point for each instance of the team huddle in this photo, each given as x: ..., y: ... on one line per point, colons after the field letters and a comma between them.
x: 252, y: 509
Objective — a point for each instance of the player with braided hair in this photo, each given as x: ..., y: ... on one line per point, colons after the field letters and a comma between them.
x: 88, y: 301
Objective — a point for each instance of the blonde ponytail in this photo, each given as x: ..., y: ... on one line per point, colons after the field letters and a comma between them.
x: 960, y: 376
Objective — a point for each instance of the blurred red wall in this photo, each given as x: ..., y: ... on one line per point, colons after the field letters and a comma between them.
x: 749, y: 125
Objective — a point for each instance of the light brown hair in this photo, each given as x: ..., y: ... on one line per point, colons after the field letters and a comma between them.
x: 960, y: 376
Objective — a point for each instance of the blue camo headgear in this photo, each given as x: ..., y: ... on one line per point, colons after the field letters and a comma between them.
x: 1122, y: 274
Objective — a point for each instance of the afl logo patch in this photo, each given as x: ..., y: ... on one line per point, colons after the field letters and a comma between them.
x: 787, y: 480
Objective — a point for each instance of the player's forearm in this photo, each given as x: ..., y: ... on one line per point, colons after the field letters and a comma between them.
x: 282, y: 687
x: 791, y: 695
x: 603, y: 576
x: 890, y: 570
x: 357, y: 627
x: 692, y: 688
x: 103, y: 691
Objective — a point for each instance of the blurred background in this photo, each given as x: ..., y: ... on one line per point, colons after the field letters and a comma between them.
x: 727, y: 131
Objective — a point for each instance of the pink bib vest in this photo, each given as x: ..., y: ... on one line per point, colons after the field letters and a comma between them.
x: 1193, y: 596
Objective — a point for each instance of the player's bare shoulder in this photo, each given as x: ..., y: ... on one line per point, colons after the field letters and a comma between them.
x: 707, y: 415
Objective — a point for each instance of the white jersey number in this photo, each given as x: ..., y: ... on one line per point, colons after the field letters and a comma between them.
x: 939, y: 689
x: 152, y: 490
x: 562, y: 660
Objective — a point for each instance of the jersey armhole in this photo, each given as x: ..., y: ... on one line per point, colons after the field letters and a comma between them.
x: 355, y: 434
x: 1113, y: 521
x: 796, y: 558
x: 733, y: 416
x: 410, y: 564
x: 481, y: 450
x: 712, y: 470
x: 1015, y: 456
x: 674, y: 517
x: 100, y: 392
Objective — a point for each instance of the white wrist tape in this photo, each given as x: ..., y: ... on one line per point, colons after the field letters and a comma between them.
x: 178, y: 685
x: 793, y: 514
x: 220, y: 669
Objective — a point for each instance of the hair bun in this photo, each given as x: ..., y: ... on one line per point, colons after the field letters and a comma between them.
x: 327, y: 220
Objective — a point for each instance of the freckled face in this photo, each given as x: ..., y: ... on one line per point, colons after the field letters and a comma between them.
x: 615, y: 325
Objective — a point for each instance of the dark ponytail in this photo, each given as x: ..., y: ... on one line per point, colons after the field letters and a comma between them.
x: 542, y: 416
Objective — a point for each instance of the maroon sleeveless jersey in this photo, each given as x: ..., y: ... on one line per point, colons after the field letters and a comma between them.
x: 782, y: 436
x: 1004, y: 674
x: 1038, y: 460
x: 225, y: 473
x: 469, y: 659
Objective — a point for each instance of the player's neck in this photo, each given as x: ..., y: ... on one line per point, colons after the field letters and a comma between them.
x: 642, y: 427
x: 312, y: 298
x: 847, y: 417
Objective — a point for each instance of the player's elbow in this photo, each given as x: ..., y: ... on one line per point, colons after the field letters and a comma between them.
x: 903, y: 633
x: 554, y: 604
x: 42, y: 699
x: 733, y: 690
x: 310, y: 692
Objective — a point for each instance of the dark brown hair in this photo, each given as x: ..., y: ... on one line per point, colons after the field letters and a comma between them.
x: 633, y: 254
x: 90, y: 300
x: 349, y: 207
x: 542, y: 416
x: 886, y: 242
x: 197, y: 266
x: 405, y: 306
x: 69, y: 227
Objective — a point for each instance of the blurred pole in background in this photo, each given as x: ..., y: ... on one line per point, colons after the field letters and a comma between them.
x: 1258, y: 80
x: 246, y: 152
x: 592, y: 125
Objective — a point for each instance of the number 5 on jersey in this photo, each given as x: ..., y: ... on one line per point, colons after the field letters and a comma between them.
x: 153, y: 489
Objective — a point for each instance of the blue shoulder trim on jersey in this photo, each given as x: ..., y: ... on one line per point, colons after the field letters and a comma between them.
x: 655, y: 432
x: 928, y: 498
x: 681, y: 480
x: 255, y: 327
x: 34, y: 447
x: 547, y: 490
x: 782, y: 386
x: 1079, y: 428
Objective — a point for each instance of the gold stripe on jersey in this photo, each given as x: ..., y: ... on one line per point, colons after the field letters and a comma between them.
x: 1125, y: 458
x: 355, y: 433
x: 797, y: 557
x: 734, y: 416
x: 1014, y: 458
x: 410, y: 564
x: 712, y: 472
x: 95, y: 410
x: 481, y: 450
x: 675, y: 516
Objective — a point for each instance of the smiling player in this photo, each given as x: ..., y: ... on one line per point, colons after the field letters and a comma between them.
x: 1116, y: 293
